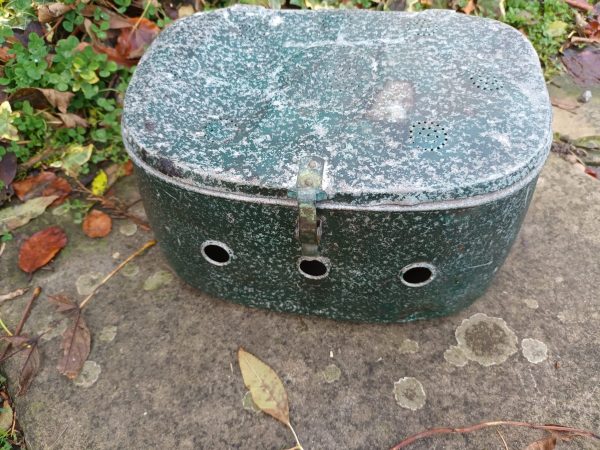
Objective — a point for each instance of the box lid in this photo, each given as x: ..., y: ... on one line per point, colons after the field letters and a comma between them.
x: 404, y: 108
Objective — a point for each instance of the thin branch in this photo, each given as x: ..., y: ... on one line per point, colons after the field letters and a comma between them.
x: 502, y: 437
x: 435, y: 431
x: 36, y: 293
x: 138, y: 252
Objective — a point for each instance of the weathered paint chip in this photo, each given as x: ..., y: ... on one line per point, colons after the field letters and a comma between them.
x: 531, y: 303
x: 534, y: 351
x: 128, y: 229
x: 486, y: 340
x: 108, y: 333
x: 249, y: 404
x: 409, y: 393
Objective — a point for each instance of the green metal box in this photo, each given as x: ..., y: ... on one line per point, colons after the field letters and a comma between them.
x: 364, y: 166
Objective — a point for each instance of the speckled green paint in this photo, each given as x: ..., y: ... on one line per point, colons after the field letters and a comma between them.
x: 431, y: 144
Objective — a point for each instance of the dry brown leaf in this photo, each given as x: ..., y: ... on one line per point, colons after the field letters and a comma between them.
x: 30, y: 367
x: 97, y: 224
x: 266, y: 388
x: 40, y: 248
x: 63, y: 304
x: 19, y: 215
x: 43, y: 184
x: 6, y: 415
x: 470, y: 7
x: 185, y: 11
x: 548, y: 443
x: 76, y: 346
x: 71, y: 120
x: 131, y: 44
x: 40, y: 98
x: 50, y: 11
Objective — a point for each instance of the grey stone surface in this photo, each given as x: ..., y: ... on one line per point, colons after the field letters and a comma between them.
x: 169, y: 377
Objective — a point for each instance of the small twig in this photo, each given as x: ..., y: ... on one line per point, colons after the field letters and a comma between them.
x: 111, y: 205
x: 138, y: 252
x: 36, y: 293
x: 582, y: 40
x: 137, y: 24
x: 502, y: 437
x: 36, y: 159
x: 434, y: 431
x: 298, y: 445
x: 2, y: 247
x: 12, y: 295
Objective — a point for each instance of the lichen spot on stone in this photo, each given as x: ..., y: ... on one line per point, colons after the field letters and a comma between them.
x: 87, y: 282
x: 408, y: 346
x: 332, y: 373
x: 157, y: 280
x: 128, y: 229
x: 89, y: 374
x: 108, y: 333
x: 531, y: 303
x: 455, y: 356
x: 534, y: 351
x: 409, y: 393
x: 486, y: 340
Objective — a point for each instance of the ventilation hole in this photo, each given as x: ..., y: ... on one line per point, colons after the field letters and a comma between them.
x: 315, y: 268
x: 485, y: 82
x: 216, y: 253
x: 428, y: 135
x: 418, y: 274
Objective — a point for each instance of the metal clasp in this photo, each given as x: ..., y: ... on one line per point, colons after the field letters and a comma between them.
x: 308, y: 192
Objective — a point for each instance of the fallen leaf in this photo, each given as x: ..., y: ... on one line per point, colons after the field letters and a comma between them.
x: 8, y: 131
x: 71, y: 120
x: 100, y: 183
x: 185, y: 11
x: 30, y: 367
x: 8, y: 170
x: 74, y: 159
x: 581, y: 4
x: 132, y: 43
x: 6, y: 416
x: 41, y: 98
x: 128, y: 168
x: 97, y: 224
x: 63, y: 304
x: 548, y: 443
x: 40, y: 248
x: 76, y: 346
x: 265, y: 386
x: 584, y: 65
x: 469, y: 7
x: 43, y: 184
x: 19, y: 215
x: 50, y: 11
x: 13, y: 294
x: 556, y: 28
x: 16, y: 340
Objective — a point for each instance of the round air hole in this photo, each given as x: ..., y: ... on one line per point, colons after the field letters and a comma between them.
x: 216, y: 253
x: 314, y: 268
x: 486, y: 82
x: 418, y: 274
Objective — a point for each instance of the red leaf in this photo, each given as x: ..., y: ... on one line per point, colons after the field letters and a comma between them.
x: 97, y: 224
x: 132, y: 44
x: 43, y: 184
x: 76, y: 345
x: 40, y: 248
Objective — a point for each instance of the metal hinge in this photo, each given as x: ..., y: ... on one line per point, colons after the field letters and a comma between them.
x: 308, y: 192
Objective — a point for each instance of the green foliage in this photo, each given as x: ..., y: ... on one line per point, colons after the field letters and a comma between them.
x: 546, y: 24
x: 77, y: 208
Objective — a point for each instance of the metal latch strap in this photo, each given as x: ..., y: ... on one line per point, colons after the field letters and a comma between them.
x: 308, y: 192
